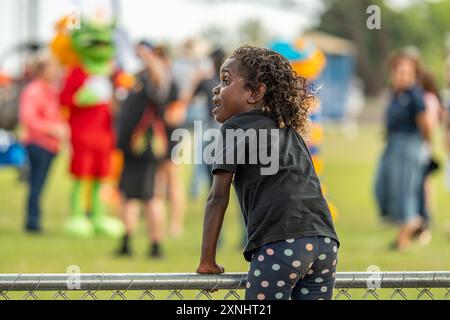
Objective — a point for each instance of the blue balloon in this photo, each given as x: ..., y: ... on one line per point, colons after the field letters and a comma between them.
x: 293, y: 54
x: 287, y: 50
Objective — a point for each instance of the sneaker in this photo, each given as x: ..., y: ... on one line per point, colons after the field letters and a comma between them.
x: 156, y: 252
x: 124, y: 252
x: 33, y: 230
x: 125, y: 249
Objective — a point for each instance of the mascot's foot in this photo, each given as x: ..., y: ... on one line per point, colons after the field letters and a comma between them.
x: 108, y: 226
x: 80, y: 227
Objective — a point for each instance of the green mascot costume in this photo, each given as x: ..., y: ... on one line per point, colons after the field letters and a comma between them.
x: 87, y: 95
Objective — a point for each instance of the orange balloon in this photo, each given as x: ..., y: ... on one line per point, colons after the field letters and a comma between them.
x: 312, y: 67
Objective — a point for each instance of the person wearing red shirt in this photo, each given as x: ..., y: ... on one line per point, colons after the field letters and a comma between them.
x: 43, y: 131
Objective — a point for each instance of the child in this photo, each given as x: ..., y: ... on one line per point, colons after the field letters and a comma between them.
x: 292, y: 245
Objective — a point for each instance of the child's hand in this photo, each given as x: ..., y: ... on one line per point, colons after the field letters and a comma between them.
x: 213, y: 268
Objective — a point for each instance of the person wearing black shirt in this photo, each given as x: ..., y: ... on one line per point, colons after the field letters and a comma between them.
x: 143, y: 140
x: 292, y: 244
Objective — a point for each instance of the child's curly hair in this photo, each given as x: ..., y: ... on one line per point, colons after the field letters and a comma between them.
x: 288, y: 97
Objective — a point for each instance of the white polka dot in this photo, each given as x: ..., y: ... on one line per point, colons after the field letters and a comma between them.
x: 293, y: 276
x: 276, y: 267
x: 318, y: 280
x: 309, y: 247
x: 321, y: 299
x: 296, y: 264
x: 322, y: 257
x: 325, y: 271
x: 261, y: 258
x: 304, y: 291
x: 264, y: 284
x: 310, y: 265
x: 334, y: 249
x: 324, y: 289
x: 288, y: 252
x: 248, y: 285
x: 290, y: 240
x: 279, y: 295
x: 257, y: 273
x: 334, y: 262
x: 327, y: 240
x: 281, y: 283
x: 261, y: 296
x: 270, y: 252
x: 310, y: 271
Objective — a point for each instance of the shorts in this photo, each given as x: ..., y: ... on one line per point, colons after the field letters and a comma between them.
x: 297, y: 269
x: 91, y: 163
x: 138, y: 179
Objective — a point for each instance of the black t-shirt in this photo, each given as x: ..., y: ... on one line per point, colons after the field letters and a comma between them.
x: 276, y: 204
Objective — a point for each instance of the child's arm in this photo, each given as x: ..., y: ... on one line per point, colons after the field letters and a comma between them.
x: 215, y: 210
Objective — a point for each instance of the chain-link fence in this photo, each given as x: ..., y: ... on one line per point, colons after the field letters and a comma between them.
x: 349, y: 285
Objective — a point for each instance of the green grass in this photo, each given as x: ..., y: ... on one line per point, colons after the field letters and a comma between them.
x: 349, y: 171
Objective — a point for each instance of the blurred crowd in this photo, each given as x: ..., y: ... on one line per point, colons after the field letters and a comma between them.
x: 171, y: 91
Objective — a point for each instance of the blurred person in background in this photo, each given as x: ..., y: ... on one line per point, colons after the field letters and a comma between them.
x: 405, y: 157
x: 143, y: 141
x: 447, y: 130
x: 203, y: 85
x: 447, y: 113
x: 169, y: 175
x: 43, y: 132
x: 435, y: 113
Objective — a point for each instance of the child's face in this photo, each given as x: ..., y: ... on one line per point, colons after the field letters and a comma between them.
x: 230, y: 96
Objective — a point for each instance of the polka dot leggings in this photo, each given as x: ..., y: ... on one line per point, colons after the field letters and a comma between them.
x: 297, y: 269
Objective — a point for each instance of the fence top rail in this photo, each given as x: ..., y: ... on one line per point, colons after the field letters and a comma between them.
x: 194, y: 281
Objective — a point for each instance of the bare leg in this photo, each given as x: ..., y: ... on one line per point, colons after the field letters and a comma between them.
x: 406, y: 233
x: 155, y: 219
x: 424, y: 235
x: 154, y: 210
x: 130, y: 214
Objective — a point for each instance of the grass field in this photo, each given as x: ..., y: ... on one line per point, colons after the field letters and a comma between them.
x: 350, y: 166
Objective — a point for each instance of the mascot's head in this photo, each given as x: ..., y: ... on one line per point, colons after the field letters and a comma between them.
x: 61, y: 45
x: 94, y: 44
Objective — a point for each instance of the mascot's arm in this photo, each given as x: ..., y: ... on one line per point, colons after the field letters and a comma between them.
x: 76, y: 93
x: 72, y: 84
